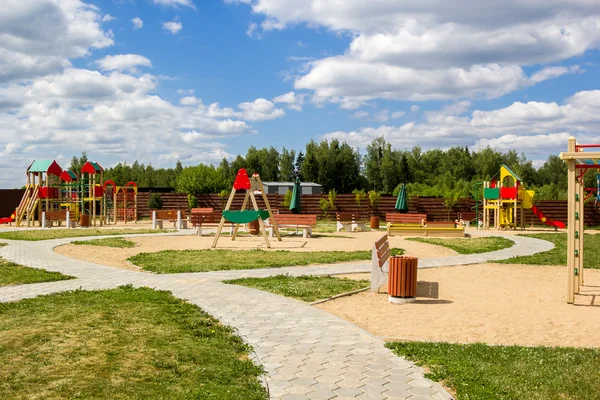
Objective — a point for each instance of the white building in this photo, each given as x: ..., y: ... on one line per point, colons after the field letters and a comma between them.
x: 283, y: 187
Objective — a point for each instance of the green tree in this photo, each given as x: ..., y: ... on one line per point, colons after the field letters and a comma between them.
x: 373, y: 162
x: 78, y: 162
x: 286, y: 165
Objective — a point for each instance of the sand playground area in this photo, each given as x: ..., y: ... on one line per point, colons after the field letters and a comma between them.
x: 492, y: 303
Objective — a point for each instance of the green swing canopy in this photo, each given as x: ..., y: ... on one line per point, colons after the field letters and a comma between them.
x: 245, y: 216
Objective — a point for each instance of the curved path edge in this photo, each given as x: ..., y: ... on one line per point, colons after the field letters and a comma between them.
x: 306, y: 352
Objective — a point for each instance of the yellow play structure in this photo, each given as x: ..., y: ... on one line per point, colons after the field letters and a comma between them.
x: 506, y: 199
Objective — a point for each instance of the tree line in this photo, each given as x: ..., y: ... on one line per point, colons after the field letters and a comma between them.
x: 337, y: 166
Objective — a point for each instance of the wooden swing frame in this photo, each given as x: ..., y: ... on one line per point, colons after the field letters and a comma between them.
x: 256, y: 185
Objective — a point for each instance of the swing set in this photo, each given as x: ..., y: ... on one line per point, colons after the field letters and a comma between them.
x: 252, y: 186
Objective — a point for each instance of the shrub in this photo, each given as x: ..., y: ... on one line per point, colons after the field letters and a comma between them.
x: 332, y: 196
x: 287, y: 198
x: 374, y: 198
x: 192, y: 201
x: 360, y: 196
x: 155, y: 202
x: 325, y: 206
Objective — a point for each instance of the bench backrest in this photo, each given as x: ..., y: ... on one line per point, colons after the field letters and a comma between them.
x: 296, y: 219
x: 348, y: 217
x: 405, y: 218
x: 381, y: 250
x: 467, y: 215
x: 205, y: 218
x: 56, y: 215
x: 169, y: 214
x: 202, y: 210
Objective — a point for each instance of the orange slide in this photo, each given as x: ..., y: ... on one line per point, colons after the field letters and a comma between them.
x: 549, y: 222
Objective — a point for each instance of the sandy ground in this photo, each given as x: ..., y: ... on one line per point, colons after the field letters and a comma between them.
x: 491, y: 303
x: 352, y: 241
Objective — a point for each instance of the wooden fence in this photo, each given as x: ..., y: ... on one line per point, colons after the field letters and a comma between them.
x: 433, y: 207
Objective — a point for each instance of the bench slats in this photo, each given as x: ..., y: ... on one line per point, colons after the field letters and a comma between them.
x: 350, y: 217
x: 383, y: 249
x: 381, y: 241
x: 170, y: 215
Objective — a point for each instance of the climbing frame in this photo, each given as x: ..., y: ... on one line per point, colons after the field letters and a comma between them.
x: 578, y: 162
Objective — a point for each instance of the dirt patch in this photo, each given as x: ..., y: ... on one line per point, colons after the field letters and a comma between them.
x: 491, y: 303
x: 356, y: 241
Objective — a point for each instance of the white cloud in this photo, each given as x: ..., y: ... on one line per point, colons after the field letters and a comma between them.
x: 38, y: 37
x: 122, y: 62
x: 382, y: 116
x: 252, y: 31
x: 186, y: 91
x: 137, y: 23
x: 538, y: 128
x: 110, y: 114
x: 260, y: 110
x: 108, y: 18
x: 360, y: 115
x: 415, y: 108
x: 292, y: 100
x: 190, y: 101
x: 175, y: 3
x: 398, y: 114
x: 437, y: 50
x: 173, y: 27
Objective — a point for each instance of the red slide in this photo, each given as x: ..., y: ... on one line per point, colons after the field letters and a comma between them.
x: 8, y: 220
x: 549, y: 222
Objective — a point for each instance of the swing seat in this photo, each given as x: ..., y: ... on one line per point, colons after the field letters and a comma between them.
x: 245, y: 216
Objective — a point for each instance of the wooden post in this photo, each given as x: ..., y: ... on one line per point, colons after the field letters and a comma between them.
x: 115, y: 191
x: 244, y: 205
x: 581, y: 230
x: 261, y: 188
x: 220, y: 228
x: 260, y: 221
x: 571, y: 228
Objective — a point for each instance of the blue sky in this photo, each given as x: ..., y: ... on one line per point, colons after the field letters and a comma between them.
x: 199, y: 81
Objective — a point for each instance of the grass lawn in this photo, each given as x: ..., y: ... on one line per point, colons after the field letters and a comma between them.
x: 108, y: 242
x: 174, y: 261
x: 14, y: 274
x: 120, y: 344
x: 558, y: 255
x: 479, y: 371
x: 307, y: 288
x: 469, y: 245
x: 47, y: 234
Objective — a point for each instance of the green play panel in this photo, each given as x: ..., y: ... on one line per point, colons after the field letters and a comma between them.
x: 246, y: 216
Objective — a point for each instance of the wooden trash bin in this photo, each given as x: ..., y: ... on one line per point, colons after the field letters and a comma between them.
x: 84, y: 221
x: 402, y: 279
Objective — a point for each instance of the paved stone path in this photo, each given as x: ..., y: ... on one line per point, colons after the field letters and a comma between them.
x: 306, y: 352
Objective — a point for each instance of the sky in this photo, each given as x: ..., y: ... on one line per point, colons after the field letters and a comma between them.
x: 164, y: 80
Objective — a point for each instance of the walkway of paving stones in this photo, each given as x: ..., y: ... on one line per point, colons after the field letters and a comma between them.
x: 307, y: 353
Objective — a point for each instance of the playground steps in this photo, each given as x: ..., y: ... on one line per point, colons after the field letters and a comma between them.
x: 431, y: 231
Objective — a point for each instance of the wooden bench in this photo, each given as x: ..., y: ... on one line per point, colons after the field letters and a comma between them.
x: 202, y: 210
x: 416, y: 229
x: 440, y: 224
x: 175, y: 216
x: 467, y: 217
x: 207, y: 220
x: 49, y: 217
x: 379, y: 257
x: 412, y: 219
x: 299, y: 221
x: 350, y: 221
